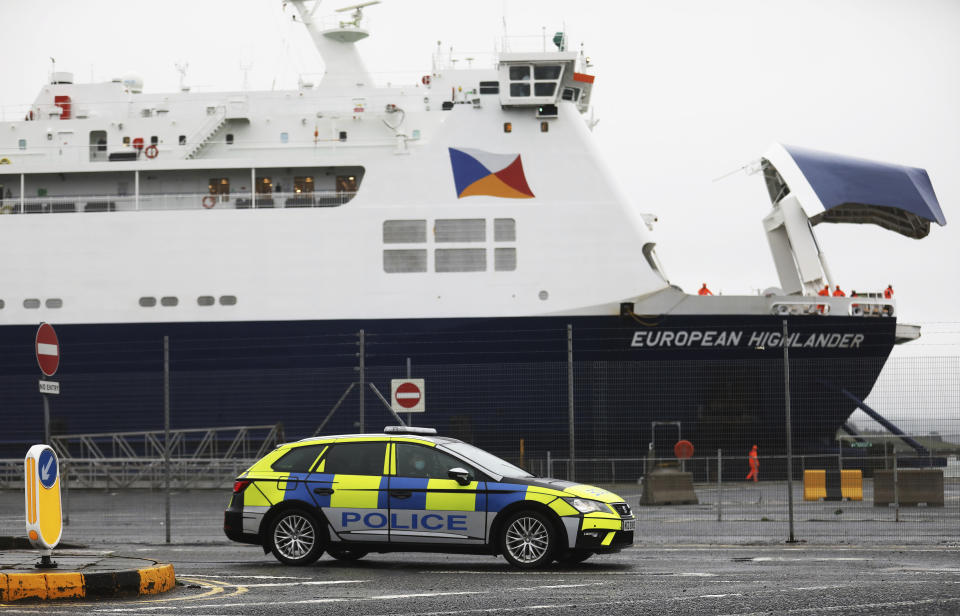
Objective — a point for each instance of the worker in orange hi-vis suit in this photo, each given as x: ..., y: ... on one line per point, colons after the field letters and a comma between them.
x: 888, y: 292
x: 754, y: 465
x: 838, y: 292
x: 825, y: 291
x: 704, y: 290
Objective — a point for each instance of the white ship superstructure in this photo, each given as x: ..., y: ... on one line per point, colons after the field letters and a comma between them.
x: 474, y: 194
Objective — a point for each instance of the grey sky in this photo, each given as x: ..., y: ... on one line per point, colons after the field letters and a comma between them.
x: 686, y: 91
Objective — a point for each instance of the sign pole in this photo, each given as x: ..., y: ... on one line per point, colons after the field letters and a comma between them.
x: 409, y: 415
x: 46, y: 419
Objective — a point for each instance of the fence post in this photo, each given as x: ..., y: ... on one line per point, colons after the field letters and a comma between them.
x: 896, y: 493
x: 166, y: 435
x: 549, y: 465
x: 786, y: 395
x: 363, y: 375
x: 66, y: 493
x: 572, y: 466
x: 719, y: 485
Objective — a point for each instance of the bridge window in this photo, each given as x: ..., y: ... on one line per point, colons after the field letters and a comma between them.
x: 504, y: 230
x: 505, y: 259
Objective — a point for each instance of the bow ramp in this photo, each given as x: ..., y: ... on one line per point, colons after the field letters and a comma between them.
x: 808, y: 187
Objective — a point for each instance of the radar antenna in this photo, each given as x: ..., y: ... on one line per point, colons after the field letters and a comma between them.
x: 357, y: 13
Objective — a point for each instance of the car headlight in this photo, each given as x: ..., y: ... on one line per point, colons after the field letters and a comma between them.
x: 584, y: 505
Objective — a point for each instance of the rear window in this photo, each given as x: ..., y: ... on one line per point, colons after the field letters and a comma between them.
x: 298, y: 459
x: 355, y: 459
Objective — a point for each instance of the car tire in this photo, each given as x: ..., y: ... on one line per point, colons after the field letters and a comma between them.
x: 528, y: 540
x: 347, y: 553
x: 574, y: 557
x: 294, y: 537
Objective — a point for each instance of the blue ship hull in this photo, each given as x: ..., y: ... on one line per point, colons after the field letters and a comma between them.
x: 492, y: 382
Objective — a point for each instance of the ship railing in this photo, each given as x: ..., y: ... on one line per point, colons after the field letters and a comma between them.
x: 172, y: 201
x: 867, y: 305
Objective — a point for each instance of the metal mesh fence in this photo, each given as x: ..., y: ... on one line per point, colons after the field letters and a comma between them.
x: 506, y: 388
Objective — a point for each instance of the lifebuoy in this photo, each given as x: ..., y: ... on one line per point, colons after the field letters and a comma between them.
x: 4, y: 161
x: 209, y: 201
x: 425, y: 80
x: 151, y: 151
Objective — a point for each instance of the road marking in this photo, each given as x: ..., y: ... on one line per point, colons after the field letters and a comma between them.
x: 311, y: 583
x: 425, y: 594
x: 852, y: 606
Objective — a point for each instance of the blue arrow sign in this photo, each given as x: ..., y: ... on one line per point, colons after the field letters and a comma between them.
x: 47, y: 468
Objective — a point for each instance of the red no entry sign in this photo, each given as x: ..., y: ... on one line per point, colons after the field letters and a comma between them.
x: 48, y: 349
x: 408, y: 395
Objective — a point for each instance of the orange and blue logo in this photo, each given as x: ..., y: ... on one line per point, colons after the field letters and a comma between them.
x: 477, y: 173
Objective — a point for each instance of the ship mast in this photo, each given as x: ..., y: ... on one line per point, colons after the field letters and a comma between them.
x: 342, y: 65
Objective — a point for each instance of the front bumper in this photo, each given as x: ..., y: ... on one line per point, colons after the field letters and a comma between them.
x: 604, y: 540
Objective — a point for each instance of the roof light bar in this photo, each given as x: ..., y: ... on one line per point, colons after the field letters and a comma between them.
x: 409, y: 430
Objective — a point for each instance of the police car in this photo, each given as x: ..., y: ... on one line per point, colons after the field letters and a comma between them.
x: 410, y: 490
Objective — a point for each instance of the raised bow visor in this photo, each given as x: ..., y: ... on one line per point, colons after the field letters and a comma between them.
x: 853, y: 190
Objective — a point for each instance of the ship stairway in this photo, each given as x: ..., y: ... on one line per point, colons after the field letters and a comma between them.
x: 206, y: 133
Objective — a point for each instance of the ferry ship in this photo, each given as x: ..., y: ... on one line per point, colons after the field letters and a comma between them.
x: 462, y: 229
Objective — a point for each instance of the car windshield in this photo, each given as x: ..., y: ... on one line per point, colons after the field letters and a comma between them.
x: 487, y: 460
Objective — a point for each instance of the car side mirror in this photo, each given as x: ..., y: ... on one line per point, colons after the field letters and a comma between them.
x: 461, y: 476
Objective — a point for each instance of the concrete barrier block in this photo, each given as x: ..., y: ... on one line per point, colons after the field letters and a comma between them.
x: 667, y: 486
x: 814, y: 485
x: 914, y: 486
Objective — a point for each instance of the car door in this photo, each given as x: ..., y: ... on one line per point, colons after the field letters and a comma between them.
x: 350, y: 487
x: 426, y: 505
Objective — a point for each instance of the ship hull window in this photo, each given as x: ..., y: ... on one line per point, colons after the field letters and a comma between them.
x: 505, y: 259
x: 504, y: 230
x: 460, y: 260
x: 519, y: 89
x: 460, y: 230
x: 404, y: 261
x: 404, y: 231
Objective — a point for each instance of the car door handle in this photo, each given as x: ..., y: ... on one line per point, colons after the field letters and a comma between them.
x: 401, y: 493
x: 323, y: 490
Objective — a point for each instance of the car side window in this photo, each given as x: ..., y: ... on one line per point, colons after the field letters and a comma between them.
x: 427, y: 462
x: 355, y: 459
x: 298, y: 459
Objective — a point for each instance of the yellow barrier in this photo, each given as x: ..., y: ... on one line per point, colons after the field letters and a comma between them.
x: 815, y: 485
x: 851, y: 485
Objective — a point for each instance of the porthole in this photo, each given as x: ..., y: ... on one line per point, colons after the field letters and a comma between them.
x: 169, y: 300
x: 205, y: 300
x: 31, y: 303
x: 544, y: 295
x: 53, y: 302
x: 228, y: 300
x: 148, y: 302
x: 2, y: 304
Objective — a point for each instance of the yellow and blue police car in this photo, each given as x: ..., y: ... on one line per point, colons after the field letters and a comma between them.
x: 410, y: 490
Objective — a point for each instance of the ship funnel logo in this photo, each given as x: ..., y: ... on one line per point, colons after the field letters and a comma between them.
x: 476, y: 173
